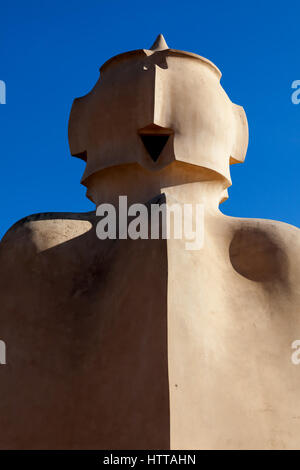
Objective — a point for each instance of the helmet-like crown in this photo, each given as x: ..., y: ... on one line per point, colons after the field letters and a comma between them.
x: 154, y: 106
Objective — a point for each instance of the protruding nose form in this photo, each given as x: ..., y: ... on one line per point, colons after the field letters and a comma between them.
x: 154, y: 139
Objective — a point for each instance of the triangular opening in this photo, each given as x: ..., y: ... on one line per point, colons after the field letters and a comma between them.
x: 154, y: 144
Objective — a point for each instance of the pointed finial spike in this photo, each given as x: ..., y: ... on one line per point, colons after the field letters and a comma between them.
x: 159, y: 44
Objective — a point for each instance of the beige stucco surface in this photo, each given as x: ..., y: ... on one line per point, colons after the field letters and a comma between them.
x: 131, y: 344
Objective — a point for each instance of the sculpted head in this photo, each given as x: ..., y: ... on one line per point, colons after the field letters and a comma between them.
x: 157, y: 115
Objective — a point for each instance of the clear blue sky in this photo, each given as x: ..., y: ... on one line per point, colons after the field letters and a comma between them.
x: 51, y: 53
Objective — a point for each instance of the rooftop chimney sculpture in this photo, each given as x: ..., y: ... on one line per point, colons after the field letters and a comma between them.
x: 140, y: 343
